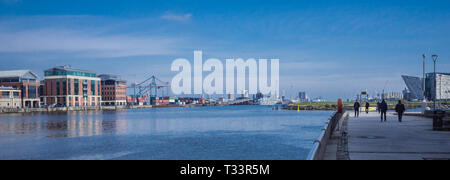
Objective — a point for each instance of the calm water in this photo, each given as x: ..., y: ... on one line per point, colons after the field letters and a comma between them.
x: 222, y: 133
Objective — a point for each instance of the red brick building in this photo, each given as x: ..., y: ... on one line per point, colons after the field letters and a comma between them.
x: 27, y: 82
x: 114, y: 90
x: 70, y: 87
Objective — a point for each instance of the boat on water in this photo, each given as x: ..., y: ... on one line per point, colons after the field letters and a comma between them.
x: 269, y: 101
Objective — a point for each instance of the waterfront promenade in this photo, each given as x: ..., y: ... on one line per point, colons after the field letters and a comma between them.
x: 369, y: 139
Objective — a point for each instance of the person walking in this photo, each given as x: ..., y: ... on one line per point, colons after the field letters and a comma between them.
x: 356, y: 106
x: 383, y: 109
x: 378, y: 107
x: 367, y: 107
x: 400, y: 109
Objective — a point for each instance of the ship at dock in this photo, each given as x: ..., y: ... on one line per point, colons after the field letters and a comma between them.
x: 270, y: 101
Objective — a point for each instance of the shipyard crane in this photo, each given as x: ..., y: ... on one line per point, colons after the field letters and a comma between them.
x: 149, y: 88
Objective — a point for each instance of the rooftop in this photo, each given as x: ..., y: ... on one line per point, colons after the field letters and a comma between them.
x: 106, y: 77
x: 7, y: 88
x: 431, y: 73
x: 69, y: 68
x: 17, y: 73
x: 69, y: 71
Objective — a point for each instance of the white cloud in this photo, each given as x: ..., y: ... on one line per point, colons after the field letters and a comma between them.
x: 85, y: 36
x: 177, y: 17
x: 85, y: 44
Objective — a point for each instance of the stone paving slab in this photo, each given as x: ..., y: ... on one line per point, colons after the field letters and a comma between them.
x: 413, y: 139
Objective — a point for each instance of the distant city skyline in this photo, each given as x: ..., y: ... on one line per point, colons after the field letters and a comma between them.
x: 329, y: 49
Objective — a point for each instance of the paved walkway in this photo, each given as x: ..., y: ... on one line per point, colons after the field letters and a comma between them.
x: 369, y: 139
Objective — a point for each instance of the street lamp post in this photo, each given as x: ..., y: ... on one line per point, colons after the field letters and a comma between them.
x: 424, y: 102
x: 423, y: 82
x: 435, y: 87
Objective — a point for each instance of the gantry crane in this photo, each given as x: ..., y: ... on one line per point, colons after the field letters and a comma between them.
x: 150, y: 88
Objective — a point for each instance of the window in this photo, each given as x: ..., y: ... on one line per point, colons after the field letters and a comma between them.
x: 16, y: 95
x: 64, y: 83
x: 6, y: 80
x: 70, y: 86
x: 32, y: 91
x: 93, y: 87
x: 71, y: 73
x: 5, y: 95
x: 85, y: 89
x: 76, y: 86
x: 24, y: 91
x: 40, y: 91
x: 58, y: 85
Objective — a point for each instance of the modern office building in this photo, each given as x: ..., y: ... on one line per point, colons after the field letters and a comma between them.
x: 27, y: 82
x: 441, y: 92
x: 64, y: 85
x: 10, y: 97
x: 114, y: 90
x: 442, y: 89
x: 415, y: 87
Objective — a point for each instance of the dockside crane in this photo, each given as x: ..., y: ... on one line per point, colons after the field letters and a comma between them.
x: 149, y: 88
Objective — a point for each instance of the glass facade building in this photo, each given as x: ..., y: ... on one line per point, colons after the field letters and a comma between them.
x: 58, y: 72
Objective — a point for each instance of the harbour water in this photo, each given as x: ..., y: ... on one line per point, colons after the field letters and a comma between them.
x: 199, y: 133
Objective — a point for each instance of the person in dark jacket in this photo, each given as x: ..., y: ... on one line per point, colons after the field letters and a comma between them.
x: 400, y: 109
x: 378, y: 107
x: 367, y: 107
x: 383, y: 109
x: 356, y: 106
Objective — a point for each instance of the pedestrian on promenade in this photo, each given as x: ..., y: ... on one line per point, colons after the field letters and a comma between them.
x: 356, y: 106
x: 383, y: 109
x: 400, y: 109
x: 378, y: 107
x: 367, y: 107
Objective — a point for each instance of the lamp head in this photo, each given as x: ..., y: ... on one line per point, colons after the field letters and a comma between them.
x: 424, y: 56
x: 434, y: 57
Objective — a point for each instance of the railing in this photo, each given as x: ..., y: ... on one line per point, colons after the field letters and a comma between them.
x: 320, y: 145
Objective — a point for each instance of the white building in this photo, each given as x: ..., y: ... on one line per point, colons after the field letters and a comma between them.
x: 10, y: 98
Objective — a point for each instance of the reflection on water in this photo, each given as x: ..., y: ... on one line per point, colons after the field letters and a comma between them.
x: 55, y: 125
x: 240, y: 132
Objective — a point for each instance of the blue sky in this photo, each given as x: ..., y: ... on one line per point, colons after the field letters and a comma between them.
x: 329, y: 48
